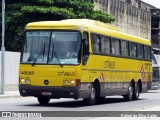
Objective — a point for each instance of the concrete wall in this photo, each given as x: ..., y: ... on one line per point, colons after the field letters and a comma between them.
x: 12, y: 61
x: 132, y: 16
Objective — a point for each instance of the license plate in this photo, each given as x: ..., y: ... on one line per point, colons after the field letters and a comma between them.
x: 47, y: 93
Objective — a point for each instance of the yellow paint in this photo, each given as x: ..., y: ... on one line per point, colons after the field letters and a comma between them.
x: 125, y: 69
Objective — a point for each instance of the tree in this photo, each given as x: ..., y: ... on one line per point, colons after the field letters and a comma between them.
x: 21, y: 12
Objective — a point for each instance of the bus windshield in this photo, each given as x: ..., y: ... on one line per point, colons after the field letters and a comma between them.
x: 51, y: 47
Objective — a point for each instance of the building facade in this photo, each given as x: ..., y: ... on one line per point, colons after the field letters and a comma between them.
x: 155, y: 30
x: 132, y: 17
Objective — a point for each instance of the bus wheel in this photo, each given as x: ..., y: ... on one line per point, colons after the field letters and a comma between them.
x: 43, y: 100
x: 136, y: 92
x: 92, y: 97
x: 129, y: 95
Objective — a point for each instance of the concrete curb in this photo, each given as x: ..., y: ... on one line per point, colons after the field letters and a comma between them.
x: 5, y: 96
x: 154, y: 91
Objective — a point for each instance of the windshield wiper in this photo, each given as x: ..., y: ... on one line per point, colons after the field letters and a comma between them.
x: 39, y: 56
x: 56, y: 56
x: 35, y: 59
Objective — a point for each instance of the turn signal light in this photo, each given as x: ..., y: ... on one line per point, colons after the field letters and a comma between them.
x: 78, y: 82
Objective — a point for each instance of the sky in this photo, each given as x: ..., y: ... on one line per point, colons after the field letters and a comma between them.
x: 155, y: 3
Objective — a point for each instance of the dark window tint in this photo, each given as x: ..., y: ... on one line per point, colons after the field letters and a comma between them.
x: 95, y: 43
x: 115, y: 46
x: 140, y: 49
x: 147, y: 52
x: 85, y: 48
x: 133, y: 49
x: 105, y: 45
x: 124, y: 48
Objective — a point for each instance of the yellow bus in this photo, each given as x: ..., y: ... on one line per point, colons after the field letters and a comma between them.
x: 82, y: 58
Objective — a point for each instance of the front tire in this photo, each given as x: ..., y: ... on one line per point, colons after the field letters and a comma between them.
x: 129, y: 96
x: 92, y: 97
x: 43, y: 100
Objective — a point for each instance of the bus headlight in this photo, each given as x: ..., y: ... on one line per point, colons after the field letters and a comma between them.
x: 72, y: 82
x: 22, y: 81
x: 66, y: 82
x: 27, y: 81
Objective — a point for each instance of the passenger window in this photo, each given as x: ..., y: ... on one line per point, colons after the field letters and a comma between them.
x: 147, y: 52
x: 105, y: 45
x: 85, y: 48
x: 95, y: 43
x: 133, y: 49
x: 140, y: 49
x: 115, y: 46
x: 124, y: 48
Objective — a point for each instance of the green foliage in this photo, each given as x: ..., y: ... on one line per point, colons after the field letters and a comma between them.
x: 104, y: 17
x: 51, y: 10
x: 21, y: 12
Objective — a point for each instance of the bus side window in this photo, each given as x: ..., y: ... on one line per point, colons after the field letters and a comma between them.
x: 124, y: 48
x: 96, y: 43
x: 105, y: 45
x: 147, y: 52
x: 85, y: 48
x: 133, y: 49
x: 115, y: 46
x: 140, y: 49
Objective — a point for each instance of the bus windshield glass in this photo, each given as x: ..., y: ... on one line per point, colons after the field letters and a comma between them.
x: 51, y: 47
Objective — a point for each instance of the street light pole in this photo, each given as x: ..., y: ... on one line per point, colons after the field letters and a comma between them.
x: 2, y: 48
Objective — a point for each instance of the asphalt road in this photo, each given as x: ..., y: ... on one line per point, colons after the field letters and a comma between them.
x: 112, y: 103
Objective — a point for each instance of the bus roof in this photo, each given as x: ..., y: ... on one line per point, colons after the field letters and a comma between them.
x: 69, y: 22
x: 93, y: 25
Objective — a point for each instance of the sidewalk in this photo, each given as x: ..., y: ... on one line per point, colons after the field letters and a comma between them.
x: 10, y: 94
x: 10, y: 91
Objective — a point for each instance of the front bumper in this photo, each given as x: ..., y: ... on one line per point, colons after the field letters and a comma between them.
x: 54, y: 92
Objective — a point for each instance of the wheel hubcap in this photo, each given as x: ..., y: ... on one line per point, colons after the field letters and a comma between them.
x: 93, y: 93
x: 130, y: 92
x: 137, y: 92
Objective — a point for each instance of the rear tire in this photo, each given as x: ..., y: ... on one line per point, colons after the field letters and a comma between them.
x: 43, y: 100
x: 92, y: 97
x: 136, y: 92
x: 129, y: 96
